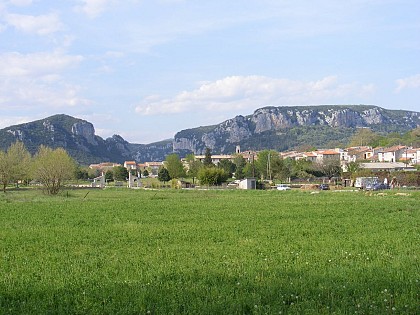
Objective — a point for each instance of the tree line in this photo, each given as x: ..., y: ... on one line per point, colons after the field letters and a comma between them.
x: 48, y: 167
x: 267, y: 165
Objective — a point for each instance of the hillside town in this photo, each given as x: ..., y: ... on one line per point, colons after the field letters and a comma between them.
x: 374, y: 160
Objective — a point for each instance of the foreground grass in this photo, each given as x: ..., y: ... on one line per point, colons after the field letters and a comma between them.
x: 208, y: 252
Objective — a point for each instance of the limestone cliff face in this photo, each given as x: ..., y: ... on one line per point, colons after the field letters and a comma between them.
x: 276, y: 118
x: 78, y: 137
x: 231, y: 131
x: 269, y: 120
x: 86, y: 130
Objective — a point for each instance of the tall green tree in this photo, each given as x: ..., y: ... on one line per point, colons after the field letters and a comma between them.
x: 163, y: 175
x: 81, y: 172
x: 109, y: 176
x: 174, y: 166
x: 52, y: 168
x: 264, y: 163
x: 14, y: 164
x: 240, y: 164
x: 228, y: 166
x: 208, y: 161
x: 281, y: 169
x: 120, y: 173
x: 194, y: 166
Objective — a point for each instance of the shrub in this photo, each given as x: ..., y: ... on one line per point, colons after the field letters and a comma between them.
x: 212, y: 176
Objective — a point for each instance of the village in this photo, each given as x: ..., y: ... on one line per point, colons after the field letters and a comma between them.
x: 376, y: 160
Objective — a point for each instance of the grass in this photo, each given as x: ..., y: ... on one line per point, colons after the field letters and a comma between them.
x: 120, y: 251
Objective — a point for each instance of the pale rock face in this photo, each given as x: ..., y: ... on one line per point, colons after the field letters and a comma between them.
x: 48, y: 126
x: 86, y: 130
x: 278, y: 118
x: 372, y: 116
x: 306, y: 118
x: 17, y: 133
x: 185, y: 144
x: 267, y: 119
x: 209, y: 140
x: 236, y: 128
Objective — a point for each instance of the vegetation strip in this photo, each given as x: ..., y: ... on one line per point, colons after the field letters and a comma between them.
x: 126, y: 251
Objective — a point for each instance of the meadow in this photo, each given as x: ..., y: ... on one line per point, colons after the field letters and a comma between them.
x: 120, y: 251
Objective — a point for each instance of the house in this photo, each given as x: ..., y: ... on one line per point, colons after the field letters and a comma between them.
x: 130, y: 165
x: 152, y: 167
x: 411, y: 156
x: 249, y: 156
x: 215, y: 159
x: 392, y: 154
x: 309, y: 156
x: 327, y: 155
x: 104, y: 166
x: 359, y: 154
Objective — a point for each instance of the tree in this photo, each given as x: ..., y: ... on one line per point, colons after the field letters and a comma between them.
x: 363, y: 137
x: 212, y: 176
x: 330, y: 168
x: 145, y: 173
x: 227, y: 166
x: 174, y: 166
x: 163, y: 175
x: 14, y: 164
x: 120, y: 173
x: 281, y: 169
x: 52, y: 168
x: 109, y: 176
x: 81, y: 172
x: 264, y: 163
x: 194, y: 166
x: 208, y: 161
x: 302, y: 168
x: 240, y: 163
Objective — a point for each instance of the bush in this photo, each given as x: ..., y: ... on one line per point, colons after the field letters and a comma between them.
x: 212, y: 176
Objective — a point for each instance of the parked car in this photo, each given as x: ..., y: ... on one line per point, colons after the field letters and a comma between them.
x: 283, y: 187
x: 376, y: 186
x: 324, y: 187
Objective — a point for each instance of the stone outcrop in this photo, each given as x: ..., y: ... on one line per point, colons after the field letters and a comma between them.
x: 86, y: 130
x: 277, y: 119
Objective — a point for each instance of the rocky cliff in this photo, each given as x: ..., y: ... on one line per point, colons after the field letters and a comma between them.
x: 284, y: 127
x: 78, y: 137
x: 278, y: 128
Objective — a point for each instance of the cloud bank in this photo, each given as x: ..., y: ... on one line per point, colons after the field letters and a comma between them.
x: 250, y: 92
x: 412, y: 82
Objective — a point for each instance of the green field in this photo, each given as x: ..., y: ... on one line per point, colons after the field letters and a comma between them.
x: 120, y: 251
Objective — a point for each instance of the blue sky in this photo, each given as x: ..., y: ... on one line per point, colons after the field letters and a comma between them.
x: 146, y: 69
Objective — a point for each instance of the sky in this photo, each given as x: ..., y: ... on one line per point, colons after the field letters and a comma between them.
x: 146, y: 69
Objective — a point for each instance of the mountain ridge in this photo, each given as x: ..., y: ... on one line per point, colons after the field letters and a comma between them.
x: 276, y: 126
x: 270, y: 127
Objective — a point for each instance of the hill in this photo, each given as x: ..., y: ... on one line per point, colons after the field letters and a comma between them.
x: 78, y: 137
x: 288, y: 127
x: 279, y: 128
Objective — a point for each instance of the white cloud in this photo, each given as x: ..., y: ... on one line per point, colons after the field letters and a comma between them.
x: 35, y: 80
x: 41, y: 24
x: 21, y: 3
x: 412, y: 82
x: 15, y: 64
x: 251, y: 92
x: 14, y: 120
x: 93, y: 8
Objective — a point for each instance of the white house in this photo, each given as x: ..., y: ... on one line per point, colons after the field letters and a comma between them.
x: 392, y: 154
